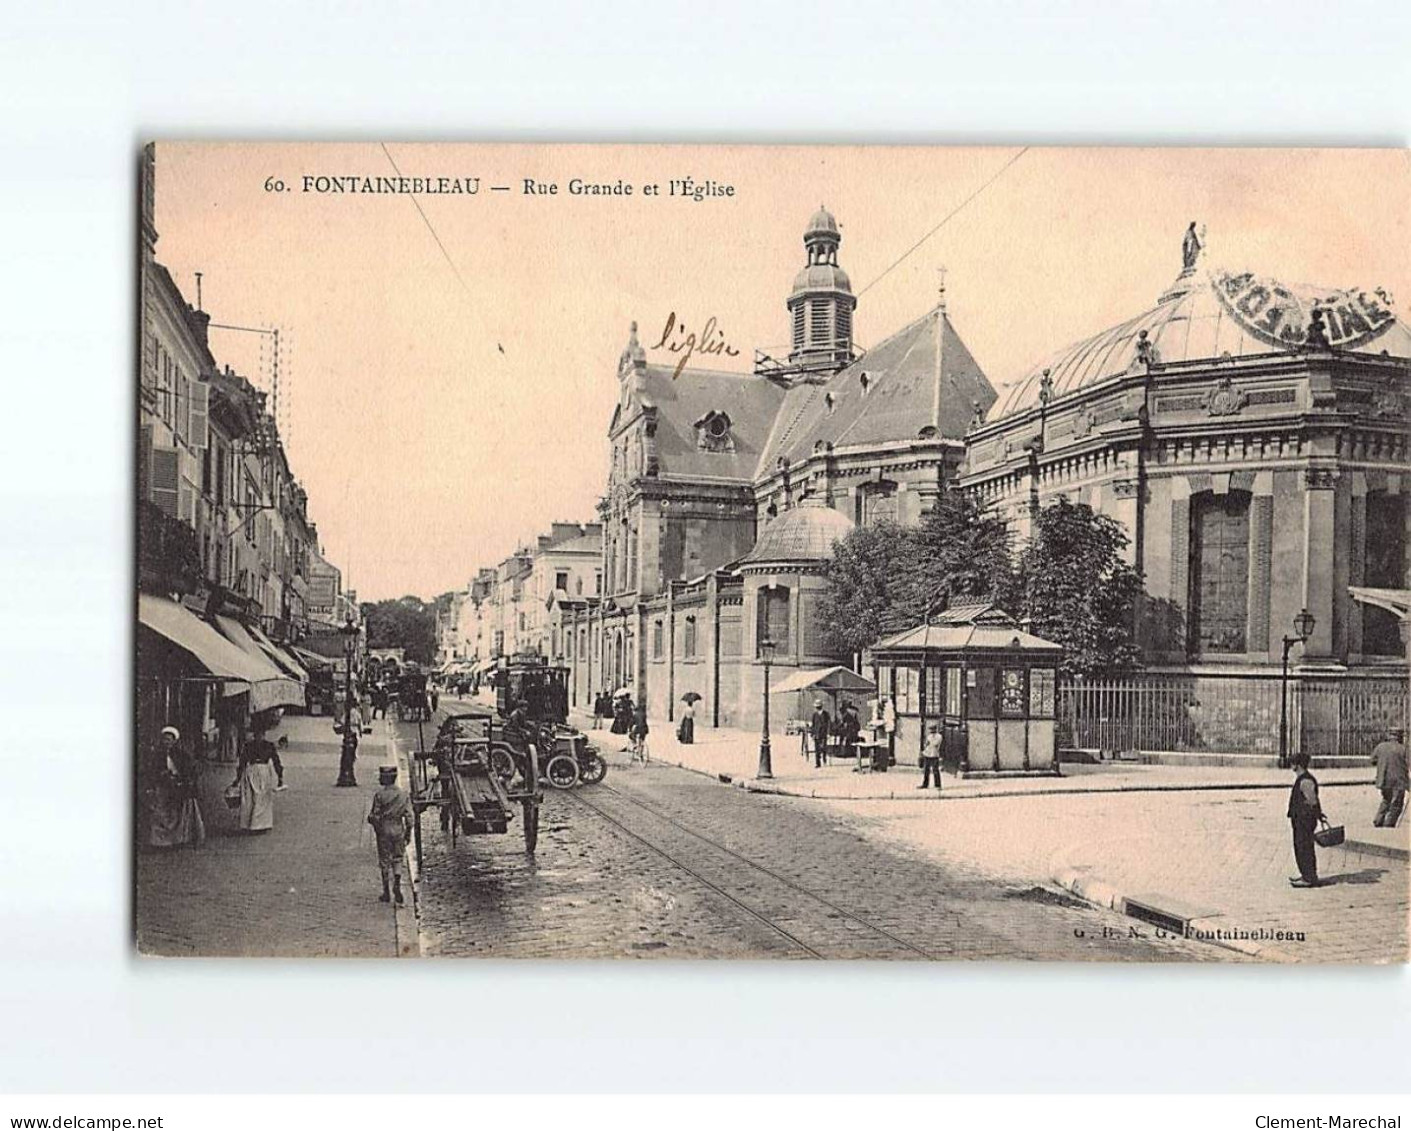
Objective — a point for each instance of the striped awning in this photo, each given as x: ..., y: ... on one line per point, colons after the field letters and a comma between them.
x: 179, y: 625
x: 274, y: 688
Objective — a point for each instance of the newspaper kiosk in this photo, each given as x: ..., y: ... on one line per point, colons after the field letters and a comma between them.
x: 990, y: 684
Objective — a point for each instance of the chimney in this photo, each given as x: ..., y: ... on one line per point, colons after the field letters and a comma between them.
x: 200, y: 323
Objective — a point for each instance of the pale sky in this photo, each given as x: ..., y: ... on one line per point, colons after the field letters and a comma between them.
x: 428, y: 452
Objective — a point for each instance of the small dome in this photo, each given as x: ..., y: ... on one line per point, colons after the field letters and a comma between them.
x: 822, y: 277
x: 821, y: 223
x: 1214, y: 315
x: 804, y: 534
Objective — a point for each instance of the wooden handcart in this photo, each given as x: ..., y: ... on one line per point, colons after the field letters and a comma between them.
x: 476, y: 780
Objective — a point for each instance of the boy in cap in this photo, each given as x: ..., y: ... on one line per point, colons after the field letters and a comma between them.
x: 391, y: 821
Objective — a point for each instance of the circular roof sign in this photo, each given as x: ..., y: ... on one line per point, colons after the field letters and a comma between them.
x: 1274, y: 313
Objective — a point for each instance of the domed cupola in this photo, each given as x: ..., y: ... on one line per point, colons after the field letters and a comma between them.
x: 822, y: 302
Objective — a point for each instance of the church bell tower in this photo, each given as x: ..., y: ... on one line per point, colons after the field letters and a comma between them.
x: 821, y: 305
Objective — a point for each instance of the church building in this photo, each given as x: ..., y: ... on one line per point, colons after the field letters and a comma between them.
x: 727, y: 491
x: 1249, y: 434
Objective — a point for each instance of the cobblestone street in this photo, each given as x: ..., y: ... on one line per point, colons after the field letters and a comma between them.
x: 664, y: 863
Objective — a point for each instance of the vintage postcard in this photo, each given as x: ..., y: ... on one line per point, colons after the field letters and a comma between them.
x: 771, y: 552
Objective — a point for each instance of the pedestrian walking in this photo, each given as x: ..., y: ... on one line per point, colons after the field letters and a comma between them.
x: 621, y: 714
x: 889, y: 727
x: 1389, y: 756
x: 598, y: 711
x: 174, y: 815
x: 686, y: 728
x: 638, y: 733
x: 1304, y: 812
x: 257, y: 776
x: 348, y: 758
x: 391, y: 821
x: 931, y: 757
x: 820, y: 725
x: 848, y: 731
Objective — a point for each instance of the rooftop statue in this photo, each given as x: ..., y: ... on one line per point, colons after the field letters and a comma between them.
x: 1191, y: 247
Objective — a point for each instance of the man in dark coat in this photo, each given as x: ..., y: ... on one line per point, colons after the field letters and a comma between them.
x: 819, y: 727
x: 849, y: 728
x: 1304, y: 812
x: 1390, y: 760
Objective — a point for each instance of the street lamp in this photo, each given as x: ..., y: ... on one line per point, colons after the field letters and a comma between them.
x: 766, y: 768
x: 350, y: 738
x: 1303, y: 629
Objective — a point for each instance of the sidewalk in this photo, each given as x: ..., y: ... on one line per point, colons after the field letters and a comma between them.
x: 307, y: 888
x: 735, y: 754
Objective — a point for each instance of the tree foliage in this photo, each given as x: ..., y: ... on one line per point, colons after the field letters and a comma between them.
x: 1070, y: 583
x: 884, y: 578
x: 407, y: 623
x: 870, y: 590
x: 1078, y: 590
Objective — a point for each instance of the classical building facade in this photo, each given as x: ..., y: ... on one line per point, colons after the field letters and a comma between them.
x: 1251, y: 436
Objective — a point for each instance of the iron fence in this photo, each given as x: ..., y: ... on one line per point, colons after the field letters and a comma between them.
x: 1232, y: 714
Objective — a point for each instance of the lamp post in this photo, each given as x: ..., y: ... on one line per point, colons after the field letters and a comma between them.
x: 346, y: 776
x: 1303, y: 629
x: 766, y: 767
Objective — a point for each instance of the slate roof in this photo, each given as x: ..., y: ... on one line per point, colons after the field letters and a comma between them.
x: 751, y: 402
x: 899, y: 401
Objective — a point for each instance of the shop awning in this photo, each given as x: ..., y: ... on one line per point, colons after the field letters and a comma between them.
x: 279, y: 655
x: 836, y: 678
x: 312, y: 661
x: 274, y: 688
x: 208, y: 647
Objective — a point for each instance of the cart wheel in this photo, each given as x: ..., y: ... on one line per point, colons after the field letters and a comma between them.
x: 562, y: 771
x: 531, y: 824
x: 593, y: 768
x: 501, y: 763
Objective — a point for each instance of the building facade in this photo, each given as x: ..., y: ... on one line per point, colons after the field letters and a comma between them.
x: 726, y: 492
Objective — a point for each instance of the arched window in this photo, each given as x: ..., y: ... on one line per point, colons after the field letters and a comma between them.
x: 658, y: 640
x: 1219, y: 573
x: 688, y: 639
x: 1385, y: 569
x: 773, y: 618
x: 876, y: 502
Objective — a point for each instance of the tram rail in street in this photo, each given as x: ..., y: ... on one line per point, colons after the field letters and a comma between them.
x: 837, y: 912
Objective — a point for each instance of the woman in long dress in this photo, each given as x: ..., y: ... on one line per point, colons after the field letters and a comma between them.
x: 259, y: 774
x: 175, y: 815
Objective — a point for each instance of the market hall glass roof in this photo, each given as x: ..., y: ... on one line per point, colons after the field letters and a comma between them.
x: 1213, y: 315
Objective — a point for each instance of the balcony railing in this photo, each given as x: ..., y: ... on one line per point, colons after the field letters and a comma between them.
x: 168, y: 555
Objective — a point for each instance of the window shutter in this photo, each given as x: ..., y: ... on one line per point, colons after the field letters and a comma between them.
x: 198, y: 432
x: 186, y: 504
x: 144, y: 461
x: 165, y: 479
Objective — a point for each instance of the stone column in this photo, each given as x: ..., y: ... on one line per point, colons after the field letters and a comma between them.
x: 1261, y: 557
x: 1357, y: 556
x: 1319, y: 533
x: 1179, y: 592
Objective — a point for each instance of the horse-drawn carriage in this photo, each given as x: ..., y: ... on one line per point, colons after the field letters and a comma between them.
x: 413, y: 698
